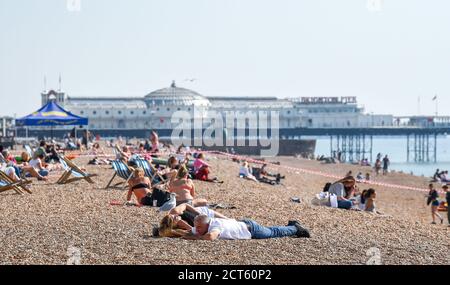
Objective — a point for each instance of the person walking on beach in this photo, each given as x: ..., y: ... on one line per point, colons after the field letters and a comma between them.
x: 386, y: 163
x: 377, y: 166
x: 433, y: 196
x: 447, y: 197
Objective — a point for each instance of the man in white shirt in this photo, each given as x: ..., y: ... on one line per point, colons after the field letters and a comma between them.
x: 206, y: 228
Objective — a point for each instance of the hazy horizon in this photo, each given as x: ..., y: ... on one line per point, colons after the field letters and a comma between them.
x: 387, y: 57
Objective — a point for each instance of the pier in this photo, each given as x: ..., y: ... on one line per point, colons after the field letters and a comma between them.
x: 355, y: 144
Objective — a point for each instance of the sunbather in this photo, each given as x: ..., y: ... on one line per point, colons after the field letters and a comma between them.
x: 206, y: 228
x: 38, y: 165
x: 24, y: 168
x: 342, y: 189
x: 140, y: 186
x: 202, y: 169
x: 245, y: 172
x: 187, y: 214
x: 170, y: 172
x: 184, y: 188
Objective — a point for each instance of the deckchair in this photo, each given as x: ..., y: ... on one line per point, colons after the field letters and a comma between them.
x: 120, y: 169
x: 71, y: 168
x: 6, y: 183
x: 28, y: 150
x: 149, y: 170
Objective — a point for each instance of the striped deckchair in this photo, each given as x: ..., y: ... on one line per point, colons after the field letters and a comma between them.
x: 71, y: 169
x: 122, y: 170
x: 29, y: 150
x: 150, y: 171
x: 6, y: 183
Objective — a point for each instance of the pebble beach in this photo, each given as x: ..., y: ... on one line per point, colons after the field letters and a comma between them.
x: 45, y: 227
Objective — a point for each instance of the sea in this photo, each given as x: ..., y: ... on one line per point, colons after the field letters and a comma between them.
x: 395, y: 148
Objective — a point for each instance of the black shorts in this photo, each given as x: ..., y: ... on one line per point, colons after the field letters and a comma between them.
x: 147, y: 200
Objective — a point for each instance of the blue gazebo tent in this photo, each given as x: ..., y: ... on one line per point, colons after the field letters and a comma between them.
x: 51, y: 114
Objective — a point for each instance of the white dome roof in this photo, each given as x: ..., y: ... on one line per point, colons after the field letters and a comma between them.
x: 177, y: 96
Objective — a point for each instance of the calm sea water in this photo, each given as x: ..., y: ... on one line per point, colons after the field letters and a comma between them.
x: 395, y: 148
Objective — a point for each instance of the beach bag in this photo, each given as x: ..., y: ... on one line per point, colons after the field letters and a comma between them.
x: 160, y: 196
x: 333, y: 201
x: 321, y: 199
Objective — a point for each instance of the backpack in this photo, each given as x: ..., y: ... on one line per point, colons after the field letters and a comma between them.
x: 160, y: 196
x: 327, y: 187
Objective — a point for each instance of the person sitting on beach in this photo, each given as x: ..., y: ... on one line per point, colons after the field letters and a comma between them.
x: 367, y: 202
x: 40, y: 150
x: 206, y: 228
x: 23, y: 169
x: 437, y: 176
x: 245, y: 172
x: 140, y: 186
x: 444, y: 177
x: 170, y: 172
x: 360, y: 176
x: 38, y: 165
x: 367, y: 176
x: 124, y: 154
x: 202, y: 169
x: 342, y: 189
x: 184, y: 189
x: 350, y: 173
x: 433, y: 200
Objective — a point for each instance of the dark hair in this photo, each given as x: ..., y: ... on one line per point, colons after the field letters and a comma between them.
x: 42, y: 143
x: 366, y: 194
x: 171, y: 160
x: 1, y: 148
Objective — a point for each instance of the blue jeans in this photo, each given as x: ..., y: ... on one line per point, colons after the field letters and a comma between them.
x: 261, y: 232
x: 342, y: 204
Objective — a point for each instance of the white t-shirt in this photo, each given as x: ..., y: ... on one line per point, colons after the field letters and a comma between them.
x: 205, y: 211
x: 229, y: 229
x: 35, y: 163
x: 244, y: 171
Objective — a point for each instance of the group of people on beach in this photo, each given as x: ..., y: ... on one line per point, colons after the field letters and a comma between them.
x: 36, y: 164
x: 441, y: 176
x: 348, y: 196
x: 190, y: 217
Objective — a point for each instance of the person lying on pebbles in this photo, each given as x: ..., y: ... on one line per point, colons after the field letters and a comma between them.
x: 181, y: 218
x: 206, y: 228
x: 184, y: 189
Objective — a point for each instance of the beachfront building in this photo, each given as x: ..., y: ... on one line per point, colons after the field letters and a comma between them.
x: 155, y: 110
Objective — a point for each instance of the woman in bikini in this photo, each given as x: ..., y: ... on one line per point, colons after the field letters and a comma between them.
x: 140, y: 186
x: 184, y: 188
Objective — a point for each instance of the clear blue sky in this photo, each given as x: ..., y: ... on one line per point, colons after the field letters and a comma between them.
x: 278, y: 48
